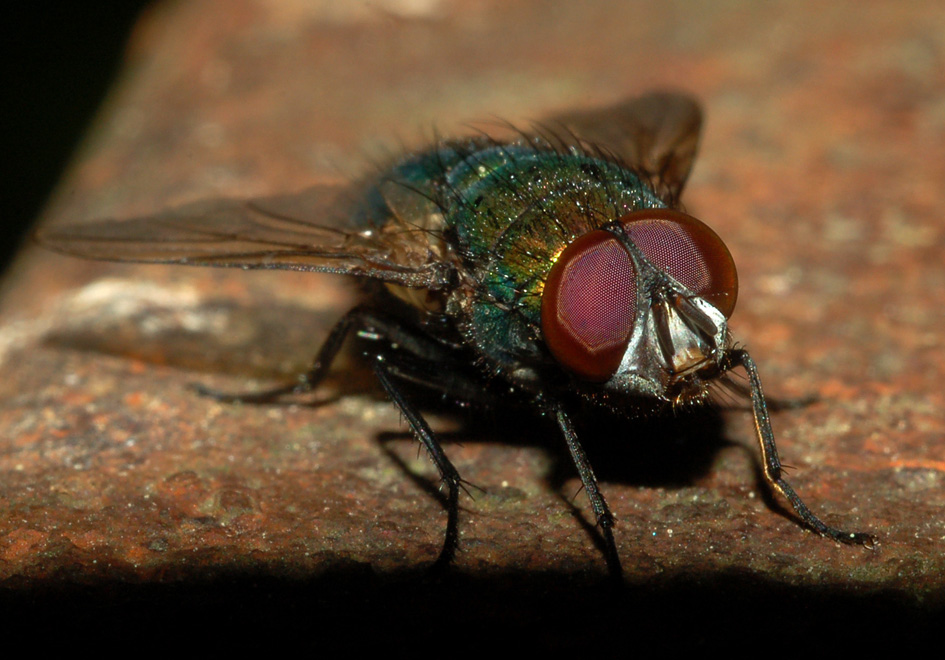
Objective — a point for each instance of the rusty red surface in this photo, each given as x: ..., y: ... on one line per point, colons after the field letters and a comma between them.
x: 821, y: 166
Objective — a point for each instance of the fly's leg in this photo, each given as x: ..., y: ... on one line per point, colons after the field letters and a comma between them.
x: 605, y: 519
x: 307, y: 381
x: 772, y: 463
x: 420, y: 360
x: 359, y: 319
x: 448, y: 473
x: 777, y: 405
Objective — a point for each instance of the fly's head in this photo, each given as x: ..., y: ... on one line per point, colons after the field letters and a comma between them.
x: 641, y: 306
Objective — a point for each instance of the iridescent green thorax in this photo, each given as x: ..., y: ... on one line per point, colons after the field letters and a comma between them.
x: 511, y: 210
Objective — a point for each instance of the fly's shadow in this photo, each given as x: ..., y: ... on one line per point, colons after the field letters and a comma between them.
x: 669, y: 449
x: 263, y: 342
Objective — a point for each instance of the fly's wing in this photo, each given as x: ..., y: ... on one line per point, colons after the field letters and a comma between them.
x: 308, y: 231
x: 656, y: 134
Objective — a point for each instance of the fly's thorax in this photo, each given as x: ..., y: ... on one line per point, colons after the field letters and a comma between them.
x: 511, y: 210
x: 510, y: 214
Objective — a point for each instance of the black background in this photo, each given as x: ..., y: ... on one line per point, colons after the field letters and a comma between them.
x: 59, y: 61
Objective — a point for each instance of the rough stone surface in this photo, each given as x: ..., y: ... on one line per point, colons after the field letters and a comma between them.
x: 821, y: 166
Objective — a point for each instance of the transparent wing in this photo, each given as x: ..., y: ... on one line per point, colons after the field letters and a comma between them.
x: 308, y: 231
x: 657, y: 134
x: 332, y: 229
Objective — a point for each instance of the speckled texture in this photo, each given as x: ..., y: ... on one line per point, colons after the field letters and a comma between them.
x: 822, y: 166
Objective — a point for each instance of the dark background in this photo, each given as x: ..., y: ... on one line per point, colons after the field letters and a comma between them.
x: 56, y: 71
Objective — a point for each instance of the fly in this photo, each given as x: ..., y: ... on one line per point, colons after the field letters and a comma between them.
x: 554, y: 266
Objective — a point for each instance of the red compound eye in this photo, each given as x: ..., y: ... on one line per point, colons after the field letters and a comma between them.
x: 688, y: 250
x: 588, y: 305
x: 589, y: 302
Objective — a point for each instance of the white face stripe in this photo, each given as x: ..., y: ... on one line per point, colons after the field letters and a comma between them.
x: 645, y: 358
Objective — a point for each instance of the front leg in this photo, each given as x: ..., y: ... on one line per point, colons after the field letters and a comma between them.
x: 772, y: 463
